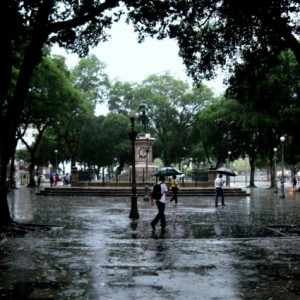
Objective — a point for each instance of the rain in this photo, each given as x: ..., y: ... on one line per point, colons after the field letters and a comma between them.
x: 248, y: 249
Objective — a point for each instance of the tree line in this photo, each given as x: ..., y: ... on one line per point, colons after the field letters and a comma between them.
x: 188, y: 122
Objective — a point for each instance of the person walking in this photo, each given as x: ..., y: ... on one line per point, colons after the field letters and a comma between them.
x: 174, y: 187
x: 39, y: 180
x: 51, y: 179
x: 161, y: 204
x: 294, y: 182
x: 57, y: 179
x: 219, y: 190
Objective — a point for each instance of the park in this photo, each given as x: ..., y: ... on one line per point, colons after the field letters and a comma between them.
x: 90, y: 238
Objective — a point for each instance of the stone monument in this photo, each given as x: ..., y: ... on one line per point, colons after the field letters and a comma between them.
x: 143, y: 150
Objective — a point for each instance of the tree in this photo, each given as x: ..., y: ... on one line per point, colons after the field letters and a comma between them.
x: 26, y: 27
x: 172, y: 105
x: 227, y: 125
x: 271, y: 92
x: 91, y: 81
x: 46, y: 104
x: 218, y: 128
x: 104, y: 142
x: 215, y: 34
x: 122, y: 97
x: 89, y: 78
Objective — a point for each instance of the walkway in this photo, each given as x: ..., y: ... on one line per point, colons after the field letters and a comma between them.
x: 248, y: 249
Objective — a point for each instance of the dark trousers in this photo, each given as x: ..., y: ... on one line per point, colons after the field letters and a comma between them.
x: 160, y: 215
x: 175, y: 193
x: 219, y: 192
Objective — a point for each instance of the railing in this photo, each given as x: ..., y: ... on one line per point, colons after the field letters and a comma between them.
x: 200, y: 175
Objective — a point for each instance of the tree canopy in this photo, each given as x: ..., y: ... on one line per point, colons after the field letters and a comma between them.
x: 215, y: 34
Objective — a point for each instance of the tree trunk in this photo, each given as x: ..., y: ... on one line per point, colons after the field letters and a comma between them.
x: 252, y: 171
x: 5, y: 217
x: 10, y: 122
x: 272, y: 174
x: 272, y: 169
x: 12, y: 173
x: 32, y: 182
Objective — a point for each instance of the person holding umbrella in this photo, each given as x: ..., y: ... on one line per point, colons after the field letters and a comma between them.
x: 174, y: 187
x: 219, y: 190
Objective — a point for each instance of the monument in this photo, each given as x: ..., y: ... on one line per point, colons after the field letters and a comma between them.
x: 145, y: 169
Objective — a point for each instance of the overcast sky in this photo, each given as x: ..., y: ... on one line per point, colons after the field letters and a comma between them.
x: 128, y: 60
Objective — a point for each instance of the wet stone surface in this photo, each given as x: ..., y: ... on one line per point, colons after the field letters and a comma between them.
x: 248, y: 249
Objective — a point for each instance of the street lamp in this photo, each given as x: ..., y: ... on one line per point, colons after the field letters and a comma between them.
x: 146, y: 196
x: 134, y: 214
x: 275, y: 173
x: 55, y: 160
x: 282, y: 195
x: 147, y: 150
x: 228, y: 161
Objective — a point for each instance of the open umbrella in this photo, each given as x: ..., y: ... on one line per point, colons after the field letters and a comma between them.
x: 168, y: 171
x: 225, y: 171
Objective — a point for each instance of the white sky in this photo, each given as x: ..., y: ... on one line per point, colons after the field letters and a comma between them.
x: 128, y: 60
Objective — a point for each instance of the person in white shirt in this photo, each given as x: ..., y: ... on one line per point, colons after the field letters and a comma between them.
x: 161, y: 203
x: 219, y: 191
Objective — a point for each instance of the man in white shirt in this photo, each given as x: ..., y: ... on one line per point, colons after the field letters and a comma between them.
x: 161, y: 203
x: 219, y: 191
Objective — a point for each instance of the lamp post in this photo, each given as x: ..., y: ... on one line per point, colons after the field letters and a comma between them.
x: 55, y: 160
x: 146, y: 196
x: 184, y: 178
x: 134, y: 214
x: 228, y: 161
x: 282, y: 195
x: 275, y: 173
x: 246, y: 171
x: 147, y: 150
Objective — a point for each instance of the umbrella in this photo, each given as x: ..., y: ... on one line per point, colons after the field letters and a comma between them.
x: 168, y: 171
x: 179, y: 176
x: 225, y: 171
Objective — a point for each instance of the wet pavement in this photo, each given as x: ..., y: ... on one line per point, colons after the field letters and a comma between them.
x: 248, y: 249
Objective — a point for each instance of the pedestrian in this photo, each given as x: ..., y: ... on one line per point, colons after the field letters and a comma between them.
x: 51, y: 179
x: 219, y: 190
x: 294, y: 182
x: 66, y: 179
x: 39, y: 180
x: 160, y: 203
x: 174, y: 187
x: 57, y: 179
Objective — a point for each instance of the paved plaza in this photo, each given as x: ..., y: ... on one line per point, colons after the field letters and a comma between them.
x: 248, y: 249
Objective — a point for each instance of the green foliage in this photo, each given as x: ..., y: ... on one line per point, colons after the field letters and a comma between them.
x: 271, y: 91
x: 219, y: 34
x: 172, y: 105
x: 158, y: 163
x: 267, y: 91
x: 22, y: 154
x: 122, y: 97
x: 104, y: 139
x: 49, y: 95
x: 89, y: 78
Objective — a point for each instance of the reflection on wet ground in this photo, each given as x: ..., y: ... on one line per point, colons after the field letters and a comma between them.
x: 248, y: 249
